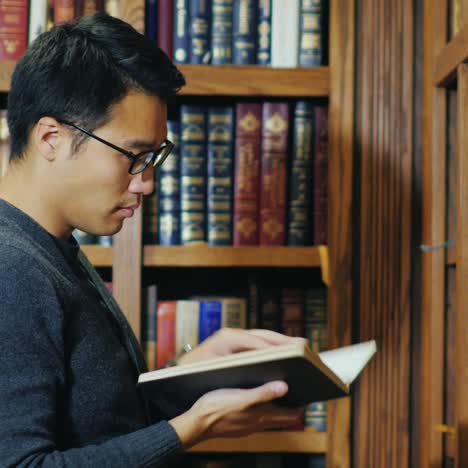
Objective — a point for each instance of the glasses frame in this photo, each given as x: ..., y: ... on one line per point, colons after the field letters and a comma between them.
x: 151, y: 155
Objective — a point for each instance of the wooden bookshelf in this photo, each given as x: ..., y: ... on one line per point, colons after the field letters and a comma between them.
x: 98, y: 255
x: 234, y: 80
x: 6, y: 70
x: 211, y: 256
x: 268, y: 442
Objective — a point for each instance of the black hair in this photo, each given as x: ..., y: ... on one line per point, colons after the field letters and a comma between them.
x: 78, y: 70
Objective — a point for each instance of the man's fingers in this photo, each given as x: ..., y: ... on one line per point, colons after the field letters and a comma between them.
x: 267, y: 392
x: 274, y: 338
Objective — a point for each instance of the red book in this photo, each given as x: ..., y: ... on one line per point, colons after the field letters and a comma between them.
x: 166, y: 26
x: 320, y: 195
x: 165, y: 342
x: 13, y: 28
x: 246, y: 175
x: 64, y: 10
x: 273, y: 173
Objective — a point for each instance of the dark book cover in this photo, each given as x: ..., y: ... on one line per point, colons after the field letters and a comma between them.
x: 200, y: 31
x: 310, y: 33
x: 270, y: 309
x: 221, y: 32
x: 245, y: 32
x: 13, y: 29
x: 273, y: 182
x: 150, y: 217
x: 181, y: 42
x: 165, y: 26
x: 292, y: 311
x: 264, y: 33
x: 151, y: 19
x: 247, y: 171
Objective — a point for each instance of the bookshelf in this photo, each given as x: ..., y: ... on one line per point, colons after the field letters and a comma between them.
x: 98, y: 255
x: 444, y: 411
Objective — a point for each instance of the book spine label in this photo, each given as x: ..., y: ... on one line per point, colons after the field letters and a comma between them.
x: 264, y: 33
x: 273, y: 174
x: 220, y: 175
x: 221, y: 32
x: 245, y: 32
x: 64, y: 10
x: 246, y: 177
x: 310, y: 33
x: 165, y: 332
x: 169, y: 190
x: 200, y: 35
x: 284, y: 33
x: 234, y: 313
x: 166, y: 26
x: 181, y: 32
x: 193, y: 174
x: 151, y: 19
x: 13, y: 29
x: 320, y: 208
x: 37, y: 19
x: 210, y: 318
x: 300, y: 176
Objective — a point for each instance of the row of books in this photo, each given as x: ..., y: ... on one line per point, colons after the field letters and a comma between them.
x: 170, y: 325
x: 256, y: 461
x: 280, y: 33
x: 249, y: 174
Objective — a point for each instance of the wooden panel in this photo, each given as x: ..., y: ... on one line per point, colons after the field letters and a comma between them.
x: 6, y: 70
x: 341, y: 225
x: 238, y: 80
x: 448, y: 59
x: 384, y: 114
x: 131, y: 11
x: 126, y: 274
x: 269, y: 442
x: 462, y: 271
x: 98, y: 255
x: 210, y: 256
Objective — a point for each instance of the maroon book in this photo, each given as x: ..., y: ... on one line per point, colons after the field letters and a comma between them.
x: 246, y: 175
x: 273, y: 173
x: 88, y: 7
x: 64, y: 10
x: 166, y: 26
x: 320, y: 191
x: 13, y: 29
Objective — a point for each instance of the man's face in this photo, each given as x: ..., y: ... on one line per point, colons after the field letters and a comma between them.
x: 98, y: 193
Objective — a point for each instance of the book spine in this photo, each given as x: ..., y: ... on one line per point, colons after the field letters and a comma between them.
x: 4, y: 143
x: 151, y: 19
x: 165, y: 341
x: 169, y: 190
x: 221, y: 32
x: 293, y: 312
x: 234, y: 313
x: 88, y: 7
x: 315, y: 419
x: 200, y: 36
x: 245, y: 32
x: 165, y: 26
x: 150, y: 217
x: 187, y: 323
x: 284, y: 33
x: 246, y: 177
x: 193, y: 174
x: 310, y: 33
x: 273, y: 174
x: 83, y: 238
x: 149, y: 326
x: 181, y: 32
x: 300, y: 176
x: 220, y: 175
x: 253, y: 301
x: 320, y: 208
x: 264, y: 33
x: 64, y: 10
x: 270, y: 310
x: 104, y: 241
x: 13, y: 29
x: 210, y: 318
x: 37, y: 19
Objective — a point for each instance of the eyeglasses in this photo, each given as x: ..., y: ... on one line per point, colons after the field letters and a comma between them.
x: 140, y: 161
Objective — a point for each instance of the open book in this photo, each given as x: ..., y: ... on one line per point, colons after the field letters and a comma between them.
x: 310, y: 376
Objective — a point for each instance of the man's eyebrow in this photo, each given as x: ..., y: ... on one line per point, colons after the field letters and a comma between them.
x: 139, y: 144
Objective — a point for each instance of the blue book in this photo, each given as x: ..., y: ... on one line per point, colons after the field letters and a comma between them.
x: 151, y: 7
x: 169, y: 190
x: 221, y: 32
x: 193, y: 174
x: 200, y: 34
x: 299, y: 229
x: 181, y: 32
x: 264, y: 33
x: 245, y: 32
x: 220, y: 175
x: 210, y: 318
x: 310, y: 33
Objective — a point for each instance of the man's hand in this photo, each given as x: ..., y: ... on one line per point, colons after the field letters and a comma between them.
x: 234, y: 413
x: 234, y: 340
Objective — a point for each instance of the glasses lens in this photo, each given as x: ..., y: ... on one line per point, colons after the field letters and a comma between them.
x: 163, y: 154
x: 141, y: 162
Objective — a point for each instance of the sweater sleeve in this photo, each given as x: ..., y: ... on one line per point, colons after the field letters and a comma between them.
x: 32, y: 371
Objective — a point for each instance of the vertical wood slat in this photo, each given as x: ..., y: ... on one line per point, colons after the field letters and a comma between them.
x: 131, y: 11
x: 341, y: 128
x: 462, y: 270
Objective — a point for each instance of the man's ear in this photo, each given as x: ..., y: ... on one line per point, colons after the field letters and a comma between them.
x: 47, y: 135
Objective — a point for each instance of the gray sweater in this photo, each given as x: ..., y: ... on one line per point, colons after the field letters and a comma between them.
x: 69, y: 362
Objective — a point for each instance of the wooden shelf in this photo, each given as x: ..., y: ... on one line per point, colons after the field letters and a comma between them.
x: 235, y: 80
x: 6, y: 70
x: 271, y: 442
x: 211, y: 256
x: 98, y: 255
x: 447, y: 61
x: 451, y: 256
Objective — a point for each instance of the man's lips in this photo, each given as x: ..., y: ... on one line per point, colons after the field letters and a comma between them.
x: 128, y: 211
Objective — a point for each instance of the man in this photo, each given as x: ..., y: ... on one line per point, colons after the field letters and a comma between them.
x: 87, y: 118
